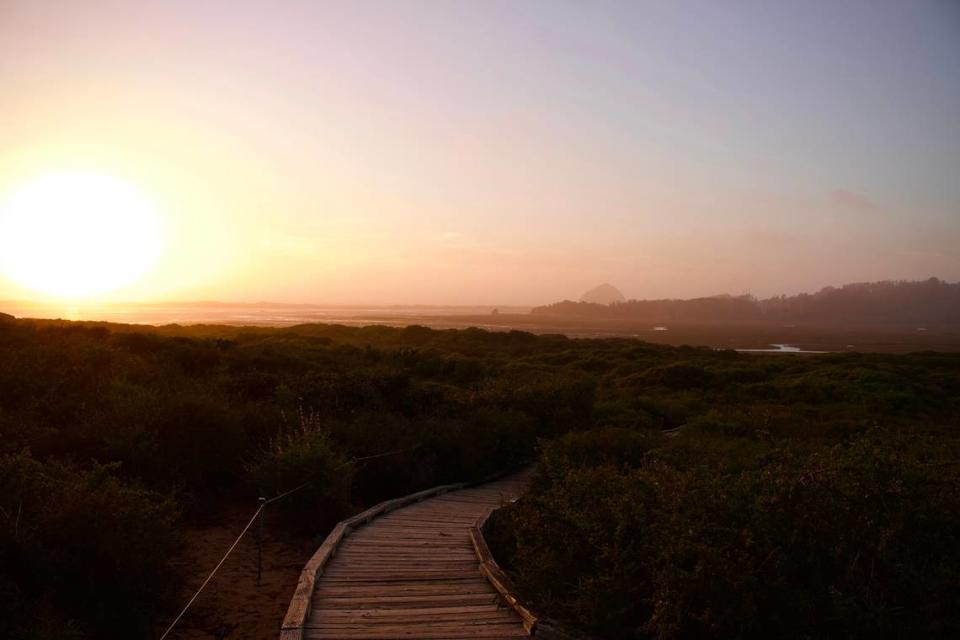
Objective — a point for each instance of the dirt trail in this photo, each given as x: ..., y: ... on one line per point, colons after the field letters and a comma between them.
x: 233, y: 606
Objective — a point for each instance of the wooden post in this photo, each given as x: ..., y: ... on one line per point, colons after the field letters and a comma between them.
x: 262, y: 502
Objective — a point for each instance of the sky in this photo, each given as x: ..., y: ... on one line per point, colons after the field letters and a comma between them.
x: 500, y: 152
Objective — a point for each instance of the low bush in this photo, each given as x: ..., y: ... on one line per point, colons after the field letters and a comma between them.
x: 304, y: 453
x: 83, y: 552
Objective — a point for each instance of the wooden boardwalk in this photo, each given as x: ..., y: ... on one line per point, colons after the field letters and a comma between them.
x: 413, y: 573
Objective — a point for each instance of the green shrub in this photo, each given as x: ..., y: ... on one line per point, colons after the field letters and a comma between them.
x: 304, y: 453
x: 607, y: 446
x: 200, y: 443
x: 680, y: 376
x: 82, y: 553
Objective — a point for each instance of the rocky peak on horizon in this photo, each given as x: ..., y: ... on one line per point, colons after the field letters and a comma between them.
x: 603, y: 294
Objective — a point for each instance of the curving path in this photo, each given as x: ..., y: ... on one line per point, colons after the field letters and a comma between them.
x: 412, y: 573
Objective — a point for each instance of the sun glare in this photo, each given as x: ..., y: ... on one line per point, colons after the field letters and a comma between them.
x: 73, y: 235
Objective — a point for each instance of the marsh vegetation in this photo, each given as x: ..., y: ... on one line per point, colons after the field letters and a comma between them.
x: 682, y: 491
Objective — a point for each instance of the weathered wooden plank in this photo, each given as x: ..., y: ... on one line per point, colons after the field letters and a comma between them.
x: 460, y: 626
x: 438, y: 634
x: 386, y: 591
x: 403, y: 617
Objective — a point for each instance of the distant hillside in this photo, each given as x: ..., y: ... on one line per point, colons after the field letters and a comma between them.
x: 918, y: 304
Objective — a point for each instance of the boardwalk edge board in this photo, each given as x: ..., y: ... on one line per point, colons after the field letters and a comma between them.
x: 535, y: 625
x: 497, y: 577
x: 299, y: 610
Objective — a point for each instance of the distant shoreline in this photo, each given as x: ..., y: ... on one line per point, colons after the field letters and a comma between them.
x: 744, y: 337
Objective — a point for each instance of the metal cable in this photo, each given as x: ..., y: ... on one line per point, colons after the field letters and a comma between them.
x: 219, y: 564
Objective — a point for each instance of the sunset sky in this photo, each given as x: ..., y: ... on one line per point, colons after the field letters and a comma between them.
x: 500, y: 152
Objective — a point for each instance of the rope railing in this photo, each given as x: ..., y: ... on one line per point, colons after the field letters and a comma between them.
x: 263, y: 504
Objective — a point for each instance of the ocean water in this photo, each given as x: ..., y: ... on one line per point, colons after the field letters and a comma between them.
x: 262, y: 314
x: 781, y: 348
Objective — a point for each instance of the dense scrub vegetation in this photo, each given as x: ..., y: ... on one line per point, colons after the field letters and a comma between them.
x: 108, y: 433
x: 798, y: 498
x: 794, y: 489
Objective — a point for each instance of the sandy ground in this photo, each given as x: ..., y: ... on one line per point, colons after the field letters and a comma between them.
x: 233, y: 605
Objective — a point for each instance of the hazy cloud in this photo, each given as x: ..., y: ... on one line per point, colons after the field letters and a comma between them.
x: 771, y: 238
x: 855, y: 201
x: 450, y: 236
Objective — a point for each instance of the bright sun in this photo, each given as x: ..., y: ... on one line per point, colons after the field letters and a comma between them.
x: 73, y: 235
